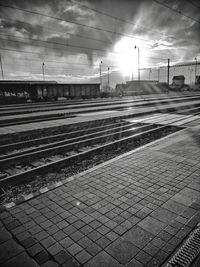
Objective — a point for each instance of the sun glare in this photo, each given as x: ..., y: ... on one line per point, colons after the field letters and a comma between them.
x: 127, y: 56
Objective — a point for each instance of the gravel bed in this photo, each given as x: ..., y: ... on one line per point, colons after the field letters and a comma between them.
x: 12, y: 193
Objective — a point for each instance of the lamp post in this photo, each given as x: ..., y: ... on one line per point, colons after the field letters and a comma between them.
x: 108, y: 78
x: 1, y: 68
x: 150, y: 71
x: 137, y: 47
x: 191, y: 70
x: 43, y: 71
x: 195, y: 69
x: 158, y: 74
x: 100, y: 73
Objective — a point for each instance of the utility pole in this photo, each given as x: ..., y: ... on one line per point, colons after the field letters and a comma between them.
x: 150, y: 71
x: 108, y: 78
x: 168, y: 67
x: 1, y: 68
x: 195, y: 69
x: 158, y: 74
x: 138, y: 61
x: 43, y: 71
x: 100, y: 74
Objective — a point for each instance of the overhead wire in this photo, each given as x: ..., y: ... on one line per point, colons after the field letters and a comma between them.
x: 65, y: 33
x: 176, y: 10
x: 73, y: 22
x: 65, y: 45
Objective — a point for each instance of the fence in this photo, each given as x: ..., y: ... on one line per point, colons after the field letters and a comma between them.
x: 189, y: 70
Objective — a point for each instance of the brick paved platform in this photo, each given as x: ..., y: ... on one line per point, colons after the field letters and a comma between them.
x: 131, y: 211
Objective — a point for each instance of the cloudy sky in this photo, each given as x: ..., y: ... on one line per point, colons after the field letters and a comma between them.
x: 73, y: 37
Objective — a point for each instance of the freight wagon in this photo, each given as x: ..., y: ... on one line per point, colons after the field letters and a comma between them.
x: 22, y: 91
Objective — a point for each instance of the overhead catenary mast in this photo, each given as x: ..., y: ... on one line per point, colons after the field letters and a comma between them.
x: 1, y: 68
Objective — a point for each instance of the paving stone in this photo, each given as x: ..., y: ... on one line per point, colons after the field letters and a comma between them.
x: 52, y: 229
x: 103, y: 242
x: 34, y: 230
x: 78, y: 224
x: 161, y: 256
x: 143, y: 257
x: 50, y: 264
x: 69, y: 230
x: 74, y: 249
x: 103, y: 230
x: 120, y: 230
x: 138, y: 236
x: 59, y: 235
x: 174, y: 207
x: 47, y: 242
x: 41, y: 235
x: 158, y: 242
x: 83, y: 256
x: 93, y: 249
x: 21, y: 260
x: 4, y: 235
x: 55, y: 249
x: 151, y: 249
x: 152, y: 225
x: 134, y: 263
x: 95, y: 224
x: 41, y: 257
x: 122, y: 250
x: 163, y: 215
x: 85, y: 242
x: 35, y: 249
x: 112, y: 236
x: 9, y: 249
x: 102, y: 260
x: 86, y: 230
x: 66, y: 242
x: 94, y: 235
x: 62, y: 257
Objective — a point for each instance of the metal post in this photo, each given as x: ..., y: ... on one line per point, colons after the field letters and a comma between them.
x: 43, y: 71
x: 108, y: 78
x: 149, y: 74
x: 190, y: 75
x: 1, y: 68
x: 195, y: 69
x: 100, y: 74
x: 158, y: 74
x: 138, y: 63
x: 168, y: 67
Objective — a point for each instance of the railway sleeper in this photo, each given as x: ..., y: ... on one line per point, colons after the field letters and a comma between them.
x: 106, y: 151
x: 30, y: 156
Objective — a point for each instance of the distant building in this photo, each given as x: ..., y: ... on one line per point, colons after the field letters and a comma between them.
x: 178, y: 80
x: 140, y: 88
x: 178, y: 84
x: 197, y: 79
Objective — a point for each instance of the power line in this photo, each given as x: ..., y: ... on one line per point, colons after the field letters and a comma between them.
x: 194, y: 4
x: 66, y: 63
x: 65, y: 45
x: 50, y: 29
x: 176, y: 10
x: 72, y: 22
x: 120, y: 19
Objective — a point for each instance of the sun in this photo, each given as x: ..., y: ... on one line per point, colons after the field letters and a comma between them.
x: 127, y: 56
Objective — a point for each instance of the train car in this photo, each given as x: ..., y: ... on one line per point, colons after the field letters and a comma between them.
x: 23, y: 91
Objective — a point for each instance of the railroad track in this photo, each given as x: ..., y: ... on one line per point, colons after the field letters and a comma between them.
x: 17, y: 164
x: 34, y: 107
x: 69, y: 112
